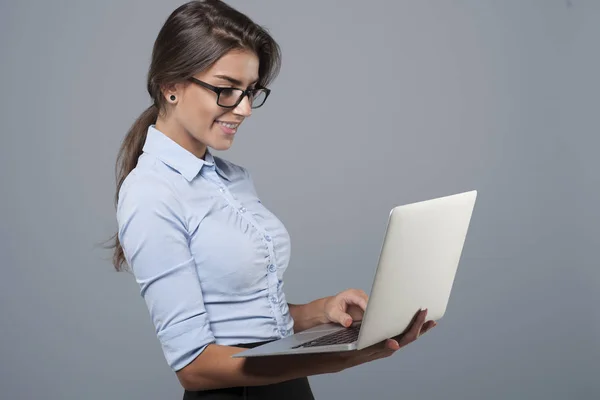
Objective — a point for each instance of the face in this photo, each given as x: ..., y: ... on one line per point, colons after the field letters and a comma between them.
x: 195, y: 120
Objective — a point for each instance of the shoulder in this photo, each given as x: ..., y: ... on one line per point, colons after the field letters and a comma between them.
x: 232, y: 170
x: 146, y: 188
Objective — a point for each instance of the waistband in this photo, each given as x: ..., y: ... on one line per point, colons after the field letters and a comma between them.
x: 252, y: 344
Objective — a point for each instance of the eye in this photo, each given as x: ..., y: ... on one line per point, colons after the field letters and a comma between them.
x: 229, y: 91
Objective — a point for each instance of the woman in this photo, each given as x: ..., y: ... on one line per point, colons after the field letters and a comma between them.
x: 208, y: 256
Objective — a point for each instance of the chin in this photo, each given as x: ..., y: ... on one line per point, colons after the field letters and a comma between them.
x: 222, y: 146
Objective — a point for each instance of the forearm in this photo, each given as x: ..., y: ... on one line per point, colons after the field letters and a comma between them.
x: 306, y: 316
x: 215, y: 368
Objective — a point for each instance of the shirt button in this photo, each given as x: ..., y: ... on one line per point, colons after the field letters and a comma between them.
x: 282, y: 332
x: 267, y: 238
x: 222, y: 190
x: 272, y: 268
x: 273, y: 299
x: 242, y: 209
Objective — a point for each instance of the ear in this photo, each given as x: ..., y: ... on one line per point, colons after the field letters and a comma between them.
x: 171, y: 89
x: 168, y: 90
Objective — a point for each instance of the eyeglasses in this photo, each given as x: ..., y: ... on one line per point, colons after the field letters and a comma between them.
x: 230, y: 97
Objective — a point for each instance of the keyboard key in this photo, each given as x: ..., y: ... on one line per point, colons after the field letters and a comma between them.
x: 344, y: 336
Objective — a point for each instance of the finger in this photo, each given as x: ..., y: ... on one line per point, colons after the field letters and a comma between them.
x: 381, y: 349
x: 415, y: 328
x: 391, y: 344
x: 355, y: 312
x: 408, y: 328
x: 356, y: 297
x: 341, y: 317
x: 351, y: 307
x: 427, y: 326
x: 362, y: 294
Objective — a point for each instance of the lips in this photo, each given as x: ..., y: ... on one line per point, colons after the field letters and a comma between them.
x: 228, y: 127
x: 228, y: 124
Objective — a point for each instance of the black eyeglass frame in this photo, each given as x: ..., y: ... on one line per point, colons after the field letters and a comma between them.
x: 245, y: 93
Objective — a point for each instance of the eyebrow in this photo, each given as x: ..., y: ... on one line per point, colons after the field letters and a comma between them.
x: 233, y: 80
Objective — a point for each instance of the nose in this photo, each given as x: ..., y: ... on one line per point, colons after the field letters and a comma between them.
x: 244, y: 108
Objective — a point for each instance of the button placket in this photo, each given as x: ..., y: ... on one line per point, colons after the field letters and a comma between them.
x: 215, y: 179
x: 272, y: 278
x: 273, y: 281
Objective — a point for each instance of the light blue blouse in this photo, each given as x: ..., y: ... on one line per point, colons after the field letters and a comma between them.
x: 208, y: 256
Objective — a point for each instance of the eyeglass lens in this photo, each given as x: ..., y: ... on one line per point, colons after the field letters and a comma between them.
x: 229, y: 97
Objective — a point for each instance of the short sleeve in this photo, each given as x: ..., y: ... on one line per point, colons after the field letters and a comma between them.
x: 153, y: 235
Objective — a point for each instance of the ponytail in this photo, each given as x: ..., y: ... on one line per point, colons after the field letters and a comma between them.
x: 127, y: 158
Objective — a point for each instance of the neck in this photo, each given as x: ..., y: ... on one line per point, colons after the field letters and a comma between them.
x: 181, y: 136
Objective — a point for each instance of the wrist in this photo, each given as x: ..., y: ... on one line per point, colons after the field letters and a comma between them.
x: 308, y: 315
x: 321, y: 306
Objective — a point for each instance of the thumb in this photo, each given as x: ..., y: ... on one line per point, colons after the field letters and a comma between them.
x: 342, y: 318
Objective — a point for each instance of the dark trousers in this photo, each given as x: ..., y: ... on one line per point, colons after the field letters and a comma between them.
x: 296, y: 389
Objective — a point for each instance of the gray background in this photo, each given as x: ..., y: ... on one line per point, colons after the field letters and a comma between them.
x: 378, y: 103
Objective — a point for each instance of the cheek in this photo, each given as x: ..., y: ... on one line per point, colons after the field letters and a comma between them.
x: 198, y: 116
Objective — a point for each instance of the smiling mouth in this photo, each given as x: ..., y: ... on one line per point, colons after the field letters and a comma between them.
x: 230, y: 125
x: 229, y: 128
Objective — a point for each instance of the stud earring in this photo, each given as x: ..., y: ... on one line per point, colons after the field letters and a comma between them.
x: 172, y: 97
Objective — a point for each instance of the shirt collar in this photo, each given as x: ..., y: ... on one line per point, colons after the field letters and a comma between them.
x: 178, y: 158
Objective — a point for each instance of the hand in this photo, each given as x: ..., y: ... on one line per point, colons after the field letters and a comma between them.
x: 386, y: 348
x: 346, y: 307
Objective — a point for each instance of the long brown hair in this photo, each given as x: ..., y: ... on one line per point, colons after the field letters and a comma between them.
x: 192, y: 38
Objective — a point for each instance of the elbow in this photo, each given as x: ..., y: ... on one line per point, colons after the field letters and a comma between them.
x: 193, y: 376
x: 184, y: 379
x: 206, y: 371
x: 189, y: 381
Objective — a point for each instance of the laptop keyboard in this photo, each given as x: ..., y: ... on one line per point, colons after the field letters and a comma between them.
x: 344, y: 336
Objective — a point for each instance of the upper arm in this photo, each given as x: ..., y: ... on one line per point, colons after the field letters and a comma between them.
x: 154, y: 238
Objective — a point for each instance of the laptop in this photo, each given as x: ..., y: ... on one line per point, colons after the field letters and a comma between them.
x: 419, y: 257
